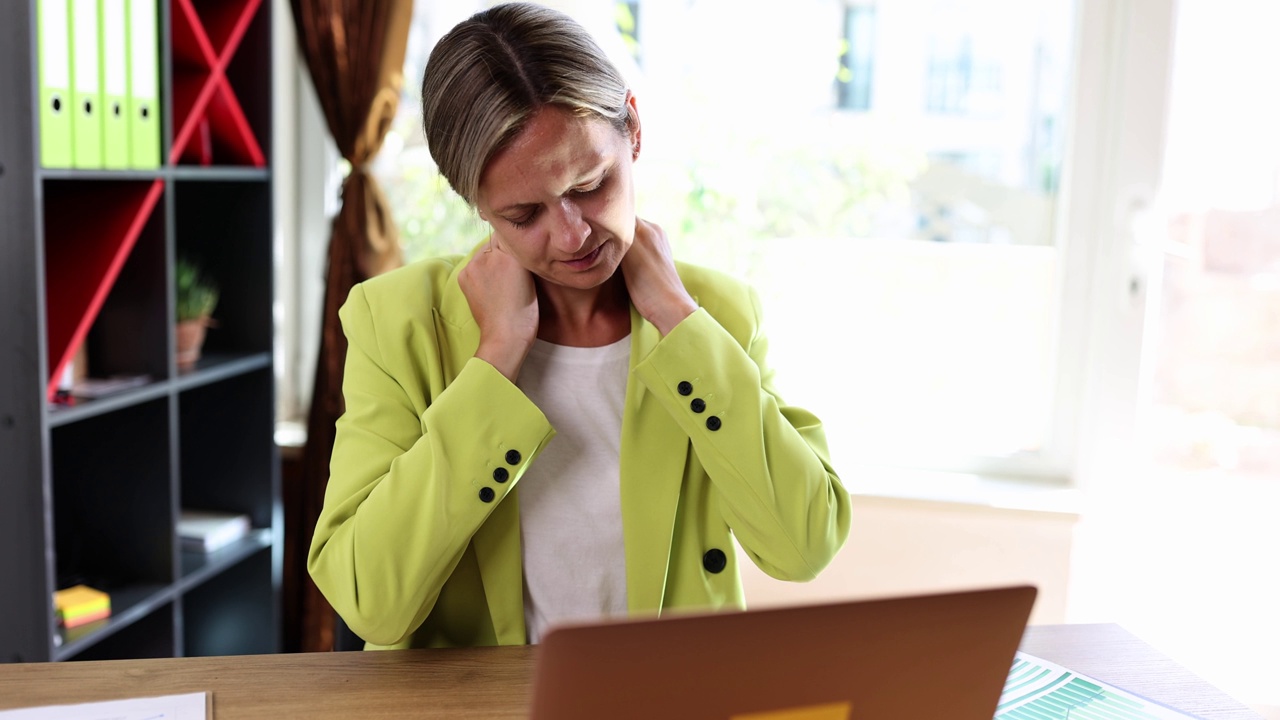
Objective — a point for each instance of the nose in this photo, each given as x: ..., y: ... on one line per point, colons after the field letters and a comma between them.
x: 570, y: 230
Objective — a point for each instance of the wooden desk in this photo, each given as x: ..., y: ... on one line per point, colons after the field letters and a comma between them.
x: 495, y: 682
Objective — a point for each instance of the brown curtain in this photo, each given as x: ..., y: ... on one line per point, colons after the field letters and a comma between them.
x: 354, y: 50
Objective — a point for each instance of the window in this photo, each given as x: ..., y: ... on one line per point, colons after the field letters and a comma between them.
x: 857, y: 58
x: 912, y: 262
x: 950, y: 70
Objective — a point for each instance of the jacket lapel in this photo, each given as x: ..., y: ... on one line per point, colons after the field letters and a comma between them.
x: 654, y: 451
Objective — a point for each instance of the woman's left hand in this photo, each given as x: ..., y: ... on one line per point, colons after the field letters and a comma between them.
x: 652, y: 281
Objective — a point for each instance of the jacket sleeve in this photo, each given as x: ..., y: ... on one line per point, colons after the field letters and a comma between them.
x: 407, y: 490
x: 768, y: 461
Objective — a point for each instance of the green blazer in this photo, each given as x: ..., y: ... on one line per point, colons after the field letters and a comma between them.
x: 418, y: 544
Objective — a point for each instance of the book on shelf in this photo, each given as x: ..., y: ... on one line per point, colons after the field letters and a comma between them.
x: 207, y: 531
x: 94, y: 388
x: 80, y: 604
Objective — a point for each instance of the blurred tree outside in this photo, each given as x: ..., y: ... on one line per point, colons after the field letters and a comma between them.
x: 726, y: 197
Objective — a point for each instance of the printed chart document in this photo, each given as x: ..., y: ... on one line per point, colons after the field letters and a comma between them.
x: 192, y: 706
x: 1040, y: 690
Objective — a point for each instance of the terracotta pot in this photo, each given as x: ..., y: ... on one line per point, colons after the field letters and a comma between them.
x: 190, y: 338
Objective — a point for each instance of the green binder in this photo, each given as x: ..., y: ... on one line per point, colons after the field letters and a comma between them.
x: 55, y: 83
x: 144, y: 79
x: 86, y: 88
x: 114, y: 74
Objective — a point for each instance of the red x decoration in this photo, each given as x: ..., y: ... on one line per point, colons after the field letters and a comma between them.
x: 209, y: 124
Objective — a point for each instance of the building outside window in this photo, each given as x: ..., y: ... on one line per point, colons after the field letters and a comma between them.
x: 949, y: 74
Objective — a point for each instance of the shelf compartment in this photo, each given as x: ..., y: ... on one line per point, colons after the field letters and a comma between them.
x: 141, y: 620
x: 130, y: 335
x: 198, y: 567
x: 150, y: 633
x: 60, y: 415
x: 90, y: 230
x: 210, y: 125
x: 212, y: 368
x: 234, y: 613
x: 225, y: 227
x: 113, y: 499
x: 230, y: 414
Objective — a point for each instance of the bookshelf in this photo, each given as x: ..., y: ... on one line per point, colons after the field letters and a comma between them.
x: 90, y: 492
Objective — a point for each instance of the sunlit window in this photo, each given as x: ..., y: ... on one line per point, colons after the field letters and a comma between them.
x: 906, y: 252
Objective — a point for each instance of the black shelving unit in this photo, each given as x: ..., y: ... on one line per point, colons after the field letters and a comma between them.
x: 91, y: 492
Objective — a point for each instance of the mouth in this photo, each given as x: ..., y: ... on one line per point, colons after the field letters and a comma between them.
x: 587, y: 260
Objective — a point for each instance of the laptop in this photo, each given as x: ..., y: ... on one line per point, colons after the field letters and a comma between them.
x: 903, y: 658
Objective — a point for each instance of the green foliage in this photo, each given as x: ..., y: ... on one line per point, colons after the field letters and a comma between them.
x: 625, y: 19
x: 432, y: 219
x: 196, y: 294
x: 721, y: 190
x: 738, y: 189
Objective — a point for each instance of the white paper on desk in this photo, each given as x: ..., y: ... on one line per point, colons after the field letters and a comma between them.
x: 1037, y: 688
x: 167, y: 707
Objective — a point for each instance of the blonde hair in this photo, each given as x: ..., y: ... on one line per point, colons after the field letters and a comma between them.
x: 490, y: 74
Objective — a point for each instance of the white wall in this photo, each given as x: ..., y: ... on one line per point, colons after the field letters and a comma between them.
x: 901, y: 546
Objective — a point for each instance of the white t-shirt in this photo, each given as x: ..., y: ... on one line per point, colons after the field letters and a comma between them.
x: 570, y: 502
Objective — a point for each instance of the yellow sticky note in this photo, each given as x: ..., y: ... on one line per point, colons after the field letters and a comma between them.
x: 80, y: 598
x: 829, y: 711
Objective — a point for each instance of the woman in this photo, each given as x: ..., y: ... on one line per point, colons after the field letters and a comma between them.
x: 565, y: 424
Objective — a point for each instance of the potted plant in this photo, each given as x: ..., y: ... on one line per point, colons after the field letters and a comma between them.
x: 196, y: 297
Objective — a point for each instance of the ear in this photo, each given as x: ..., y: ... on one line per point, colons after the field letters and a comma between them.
x: 633, y: 125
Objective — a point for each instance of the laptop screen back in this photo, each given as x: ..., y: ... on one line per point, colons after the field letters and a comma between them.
x: 927, y: 656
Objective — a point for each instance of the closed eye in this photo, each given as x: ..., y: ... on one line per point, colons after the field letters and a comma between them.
x: 527, y: 219
x: 599, y: 183
x: 524, y: 220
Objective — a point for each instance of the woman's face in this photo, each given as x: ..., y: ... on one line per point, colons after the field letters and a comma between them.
x: 560, y: 197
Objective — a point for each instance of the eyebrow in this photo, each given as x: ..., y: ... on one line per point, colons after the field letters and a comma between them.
x: 595, y: 172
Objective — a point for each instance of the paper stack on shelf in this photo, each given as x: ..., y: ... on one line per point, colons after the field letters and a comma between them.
x: 207, y: 531
x: 94, y: 388
x: 80, y: 605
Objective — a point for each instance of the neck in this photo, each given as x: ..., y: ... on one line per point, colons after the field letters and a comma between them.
x: 584, y: 318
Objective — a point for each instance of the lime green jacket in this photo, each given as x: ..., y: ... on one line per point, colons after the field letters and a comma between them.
x: 418, y: 544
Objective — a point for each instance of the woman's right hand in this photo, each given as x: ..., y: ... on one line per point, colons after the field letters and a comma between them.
x: 504, y: 302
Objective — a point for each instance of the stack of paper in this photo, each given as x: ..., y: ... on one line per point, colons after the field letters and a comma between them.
x: 1037, y: 689
x: 94, y: 388
x: 81, y: 604
x: 207, y: 531
x: 191, y: 706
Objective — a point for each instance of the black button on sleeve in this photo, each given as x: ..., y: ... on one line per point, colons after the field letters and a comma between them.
x: 501, y: 474
x: 714, y: 561
x: 486, y: 494
x: 685, y: 388
x: 713, y: 423
x: 697, y: 405
x: 513, y: 457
